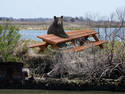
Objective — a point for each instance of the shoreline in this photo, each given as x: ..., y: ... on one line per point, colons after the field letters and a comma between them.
x: 65, y: 84
x: 47, y: 29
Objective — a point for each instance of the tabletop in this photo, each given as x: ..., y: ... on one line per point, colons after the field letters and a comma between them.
x: 76, y: 34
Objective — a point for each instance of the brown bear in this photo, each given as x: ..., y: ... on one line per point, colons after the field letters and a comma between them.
x: 56, y: 27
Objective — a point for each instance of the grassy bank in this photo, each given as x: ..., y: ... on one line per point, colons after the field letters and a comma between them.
x: 46, y: 28
x: 24, y: 25
x: 90, y: 63
x: 91, y: 69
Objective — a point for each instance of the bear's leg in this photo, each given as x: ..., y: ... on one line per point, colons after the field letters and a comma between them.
x: 83, y: 40
x: 61, y: 45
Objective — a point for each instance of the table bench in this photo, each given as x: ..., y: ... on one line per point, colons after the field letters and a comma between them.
x: 51, y: 39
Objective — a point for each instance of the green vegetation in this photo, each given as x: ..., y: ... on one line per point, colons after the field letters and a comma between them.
x: 9, y: 38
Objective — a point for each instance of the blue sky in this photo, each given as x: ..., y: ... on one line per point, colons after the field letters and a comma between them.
x: 50, y: 8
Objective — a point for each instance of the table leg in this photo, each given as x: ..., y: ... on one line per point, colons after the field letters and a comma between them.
x: 73, y: 42
x: 55, y: 47
x: 96, y: 39
x: 83, y: 40
x: 42, y: 48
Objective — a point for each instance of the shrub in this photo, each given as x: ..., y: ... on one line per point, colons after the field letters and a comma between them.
x: 9, y: 37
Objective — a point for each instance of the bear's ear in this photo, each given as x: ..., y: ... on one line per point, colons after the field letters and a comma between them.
x: 62, y: 17
x: 54, y: 17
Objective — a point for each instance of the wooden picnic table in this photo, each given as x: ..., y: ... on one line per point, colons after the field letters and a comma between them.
x: 51, y: 39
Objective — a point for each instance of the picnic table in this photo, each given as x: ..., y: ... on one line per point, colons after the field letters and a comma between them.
x: 51, y: 39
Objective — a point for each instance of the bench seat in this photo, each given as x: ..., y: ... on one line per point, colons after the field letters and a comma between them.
x: 38, y: 45
x: 79, y: 48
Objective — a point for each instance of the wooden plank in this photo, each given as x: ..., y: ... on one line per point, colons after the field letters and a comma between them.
x: 75, y: 32
x: 52, y: 39
x: 38, y: 45
x: 79, y: 48
x: 74, y: 37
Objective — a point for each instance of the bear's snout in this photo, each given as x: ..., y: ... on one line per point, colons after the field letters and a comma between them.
x: 59, y: 22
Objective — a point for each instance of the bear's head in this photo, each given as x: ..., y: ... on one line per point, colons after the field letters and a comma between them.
x: 58, y: 20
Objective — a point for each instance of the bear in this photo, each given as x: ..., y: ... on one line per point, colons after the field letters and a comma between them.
x: 56, y: 28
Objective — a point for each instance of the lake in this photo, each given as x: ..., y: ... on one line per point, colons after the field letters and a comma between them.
x: 55, y: 92
x: 103, y: 33
x: 32, y: 34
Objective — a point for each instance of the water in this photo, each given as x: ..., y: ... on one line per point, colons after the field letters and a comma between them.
x: 104, y: 34
x: 108, y: 33
x: 32, y: 34
x: 55, y: 92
